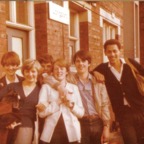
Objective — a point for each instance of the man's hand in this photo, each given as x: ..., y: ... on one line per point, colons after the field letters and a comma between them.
x: 99, y: 77
x: 40, y: 107
x: 105, y: 135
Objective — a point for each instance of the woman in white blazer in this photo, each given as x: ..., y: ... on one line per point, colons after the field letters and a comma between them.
x: 60, y: 110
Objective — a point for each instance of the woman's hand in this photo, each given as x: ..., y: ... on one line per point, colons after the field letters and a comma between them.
x: 13, y: 125
x: 40, y: 107
x: 69, y: 104
x: 62, y: 93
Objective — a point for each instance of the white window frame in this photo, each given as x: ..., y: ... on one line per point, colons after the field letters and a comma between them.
x: 136, y: 32
x: 30, y: 28
x: 76, y: 37
x: 112, y: 20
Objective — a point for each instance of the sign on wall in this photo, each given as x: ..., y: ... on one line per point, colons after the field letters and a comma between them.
x: 58, y: 13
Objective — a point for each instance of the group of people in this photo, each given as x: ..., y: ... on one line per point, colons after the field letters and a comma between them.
x: 74, y: 107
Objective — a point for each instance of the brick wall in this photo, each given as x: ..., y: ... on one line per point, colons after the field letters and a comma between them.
x: 142, y: 33
x: 84, y: 35
x: 51, y: 36
x: 41, y: 28
x: 3, y: 37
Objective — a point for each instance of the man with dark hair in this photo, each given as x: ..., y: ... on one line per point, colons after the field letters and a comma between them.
x: 97, y: 118
x: 126, y: 100
x: 46, y: 61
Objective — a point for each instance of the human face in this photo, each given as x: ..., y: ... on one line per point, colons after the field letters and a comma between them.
x: 10, y: 70
x: 47, y: 67
x: 59, y: 72
x: 31, y: 75
x: 113, y: 54
x: 81, y: 66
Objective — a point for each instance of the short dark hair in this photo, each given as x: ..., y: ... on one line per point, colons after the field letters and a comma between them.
x: 82, y: 54
x: 10, y: 58
x: 45, y: 58
x: 112, y: 42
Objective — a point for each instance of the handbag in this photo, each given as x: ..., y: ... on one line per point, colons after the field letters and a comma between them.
x: 138, y: 77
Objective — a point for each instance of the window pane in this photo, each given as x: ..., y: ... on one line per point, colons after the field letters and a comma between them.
x: 17, y: 47
x: 22, y: 12
x: 72, y: 21
x: 7, y: 10
x: 109, y: 32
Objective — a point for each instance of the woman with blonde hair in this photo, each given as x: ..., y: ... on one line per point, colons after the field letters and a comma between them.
x: 28, y: 92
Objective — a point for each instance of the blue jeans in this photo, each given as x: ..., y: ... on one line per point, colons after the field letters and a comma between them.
x: 91, y: 131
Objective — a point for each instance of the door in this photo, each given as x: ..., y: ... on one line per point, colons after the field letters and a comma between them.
x: 18, y: 42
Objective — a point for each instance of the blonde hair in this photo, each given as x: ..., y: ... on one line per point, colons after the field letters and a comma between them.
x: 62, y: 63
x: 29, y: 64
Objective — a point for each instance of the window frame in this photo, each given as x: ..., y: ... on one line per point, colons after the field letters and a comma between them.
x: 30, y: 27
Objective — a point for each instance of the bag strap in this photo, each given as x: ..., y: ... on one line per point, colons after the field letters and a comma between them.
x: 134, y: 69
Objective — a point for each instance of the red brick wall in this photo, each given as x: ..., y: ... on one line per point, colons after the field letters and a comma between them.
x: 3, y: 37
x: 41, y: 28
x: 51, y: 36
x: 84, y: 35
x: 142, y: 33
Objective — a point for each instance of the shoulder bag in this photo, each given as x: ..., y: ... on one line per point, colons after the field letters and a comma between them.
x: 138, y: 77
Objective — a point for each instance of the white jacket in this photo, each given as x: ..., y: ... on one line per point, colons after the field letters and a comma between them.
x: 50, y: 98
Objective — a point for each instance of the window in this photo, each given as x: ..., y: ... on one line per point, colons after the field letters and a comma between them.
x: 110, y: 25
x: 73, y: 33
x: 109, y: 32
x: 20, y: 27
x: 17, y: 11
x: 77, y: 14
x: 136, y: 31
x: 22, y: 12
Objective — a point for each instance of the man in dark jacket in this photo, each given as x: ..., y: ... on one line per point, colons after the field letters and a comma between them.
x: 127, y: 102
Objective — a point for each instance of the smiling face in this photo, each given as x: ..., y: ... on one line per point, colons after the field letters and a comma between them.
x: 9, y: 69
x: 59, y: 72
x: 113, y: 53
x: 30, y: 75
x: 82, y: 66
x: 10, y: 62
x: 47, y: 67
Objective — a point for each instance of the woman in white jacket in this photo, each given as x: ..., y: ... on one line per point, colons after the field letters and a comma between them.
x: 60, y: 110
